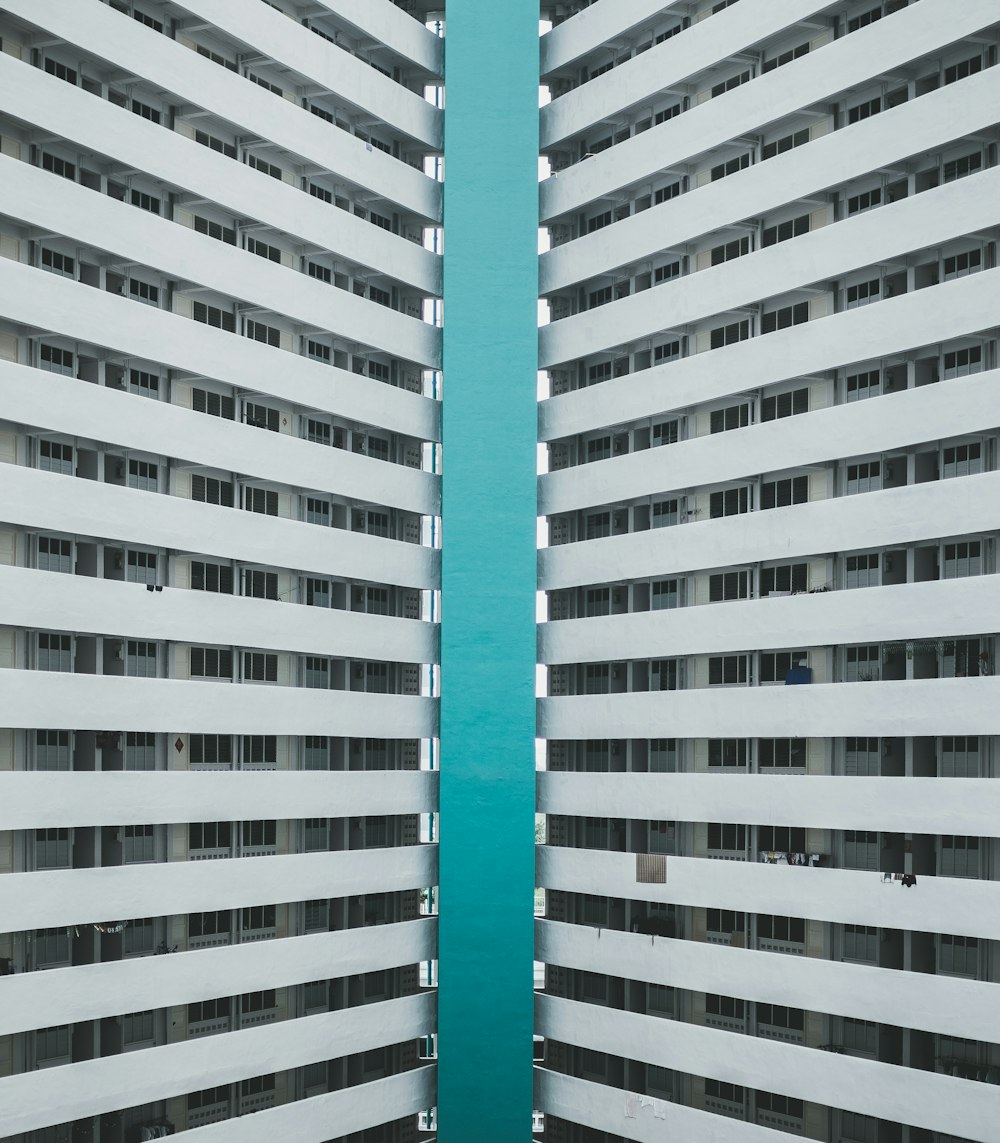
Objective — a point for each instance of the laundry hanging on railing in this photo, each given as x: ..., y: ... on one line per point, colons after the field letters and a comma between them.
x: 777, y: 857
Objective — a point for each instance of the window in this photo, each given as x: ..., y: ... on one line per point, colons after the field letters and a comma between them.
x: 862, y: 571
x: 143, y: 383
x: 729, y: 250
x: 667, y: 113
x: 959, y: 362
x: 209, y: 924
x: 781, y: 493
x: 265, y: 83
x: 664, y: 194
x: 733, y: 417
x: 862, y: 663
x: 260, y: 751
x: 318, y: 432
x: 140, y: 659
x: 599, y: 221
x: 145, y: 201
x: 724, y: 922
x: 258, y: 834
x: 598, y: 601
x: 260, y: 584
x: 320, y: 192
x: 258, y: 331
x: 666, y: 273
x: 317, y: 593
x: 266, y: 168
x: 204, y: 1010
x: 725, y: 670
x: 52, y: 849
x: 320, y: 273
x: 781, y: 753
x: 260, y: 500
x: 138, y: 844
x: 962, y: 460
x: 57, y: 263
x: 725, y: 1007
x: 959, y: 955
x: 784, y: 405
x: 728, y: 585
x: 52, y: 1043
x: 600, y: 297
x: 728, y: 334
x: 778, y: 1016
x: 727, y: 753
x: 733, y: 81
x: 317, y: 511
x: 210, y: 835
x: 663, y: 675
x: 959, y: 856
x: 317, y: 673
x: 205, y: 401
x: 50, y: 947
x: 785, y: 143
x: 725, y: 837
x: 597, y: 679
x: 865, y: 476
x: 211, y: 577
x: 783, y: 231
x: 955, y: 266
x: 861, y: 756
x: 963, y: 69
x: 211, y: 663
x: 862, y: 385
x: 262, y: 417
x: 730, y: 167
x: 858, y: 1128
x: 140, y: 750
x: 259, y: 916
x: 260, y: 667
x: 864, y: 110
x: 215, y: 317
x: 215, y: 230
x: 55, y: 457
x: 55, y: 360
x: 726, y: 1092
x: 598, y: 449
x: 377, y: 524
x: 144, y: 111
x: 664, y: 513
x: 143, y: 474
x: 959, y: 168
x: 789, y: 930
x: 140, y: 567
x: 264, y: 250
x: 861, y: 943
x: 598, y: 525
x: 215, y: 57
x: 668, y: 351
x: 779, y: 1104
x: 58, y: 166
x: 785, y: 57
x: 665, y: 594
x: 211, y: 750
x: 861, y: 849
x: 959, y: 757
x: 784, y: 317
x: 666, y: 432
x: 208, y: 490
x: 54, y: 652
x: 60, y: 70
x: 730, y: 502
x: 861, y: 293
x: 55, y: 555
x: 775, y: 665
x: 52, y: 750
x: 864, y: 201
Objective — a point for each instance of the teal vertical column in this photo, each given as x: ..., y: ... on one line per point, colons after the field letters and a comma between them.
x: 488, y: 572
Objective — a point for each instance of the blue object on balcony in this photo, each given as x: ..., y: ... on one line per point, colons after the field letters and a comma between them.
x: 798, y: 676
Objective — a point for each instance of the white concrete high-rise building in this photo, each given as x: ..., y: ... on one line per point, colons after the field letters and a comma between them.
x: 772, y: 438
x: 218, y: 431
x: 772, y: 426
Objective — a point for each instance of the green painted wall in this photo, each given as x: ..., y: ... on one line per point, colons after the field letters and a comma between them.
x: 488, y: 572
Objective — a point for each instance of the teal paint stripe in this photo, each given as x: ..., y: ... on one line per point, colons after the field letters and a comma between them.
x: 488, y: 572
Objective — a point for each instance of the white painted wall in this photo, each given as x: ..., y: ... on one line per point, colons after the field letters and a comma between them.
x: 89, y: 992
x: 83, y: 896
x: 944, y: 1004
x: 31, y: 1100
x: 209, y: 706
x: 900, y: 1095
x: 46, y: 401
x: 192, y: 78
x: 846, y: 523
x: 46, y: 500
x: 935, y: 609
